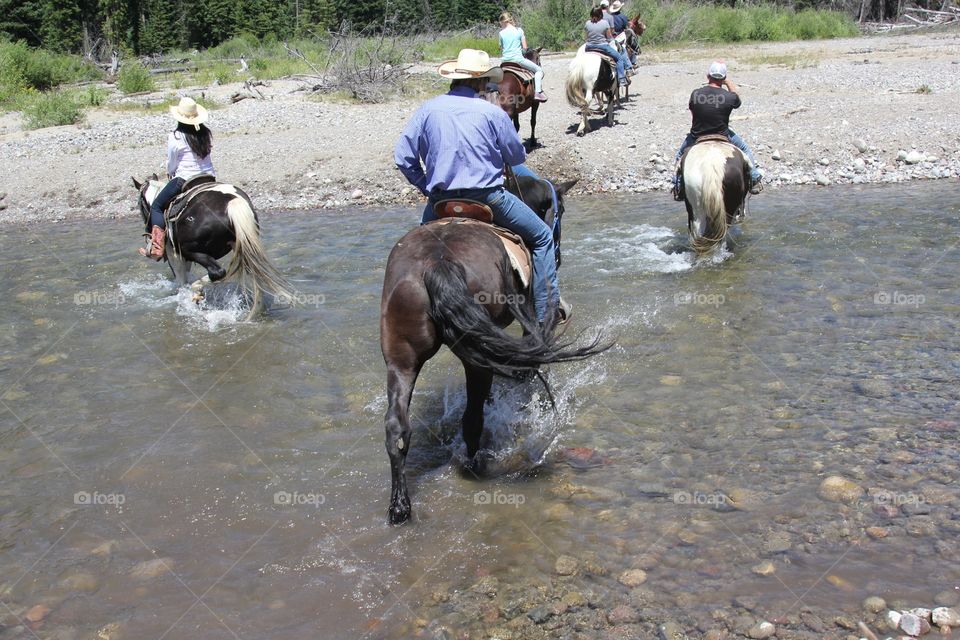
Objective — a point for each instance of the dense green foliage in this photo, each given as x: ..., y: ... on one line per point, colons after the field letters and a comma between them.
x: 558, y: 24
x: 150, y: 26
x: 25, y: 70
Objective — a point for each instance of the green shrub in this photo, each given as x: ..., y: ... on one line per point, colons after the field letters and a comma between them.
x: 93, y: 96
x: 134, y: 78
x: 51, y: 109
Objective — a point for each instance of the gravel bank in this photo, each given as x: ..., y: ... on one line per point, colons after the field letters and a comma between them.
x: 863, y: 110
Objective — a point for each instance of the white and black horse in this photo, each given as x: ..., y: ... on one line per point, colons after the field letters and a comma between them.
x: 590, y: 74
x: 716, y: 180
x: 215, y: 222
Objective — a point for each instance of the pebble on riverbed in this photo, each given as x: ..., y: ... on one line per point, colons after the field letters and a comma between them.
x: 566, y: 566
x: 840, y: 489
x: 633, y: 577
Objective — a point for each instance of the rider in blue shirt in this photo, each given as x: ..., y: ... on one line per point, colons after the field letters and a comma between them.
x: 457, y: 146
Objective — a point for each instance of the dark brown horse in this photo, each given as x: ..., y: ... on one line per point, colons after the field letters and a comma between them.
x: 453, y: 284
x: 517, y: 96
x: 635, y: 29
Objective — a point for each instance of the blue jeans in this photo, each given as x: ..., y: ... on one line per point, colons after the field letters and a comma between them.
x: 622, y: 61
x: 739, y: 142
x: 511, y: 213
x: 159, y: 204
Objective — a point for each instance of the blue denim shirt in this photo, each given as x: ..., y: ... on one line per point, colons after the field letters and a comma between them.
x: 456, y: 141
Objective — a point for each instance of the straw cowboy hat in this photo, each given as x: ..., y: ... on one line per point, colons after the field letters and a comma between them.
x: 189, y: 112
x: 470, y: 63
x: 616, y: 6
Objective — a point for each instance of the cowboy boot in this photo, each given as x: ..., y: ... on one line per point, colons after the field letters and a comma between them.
x: 158, y: 237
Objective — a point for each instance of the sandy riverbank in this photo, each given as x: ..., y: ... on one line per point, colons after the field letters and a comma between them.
x: 835, y: 111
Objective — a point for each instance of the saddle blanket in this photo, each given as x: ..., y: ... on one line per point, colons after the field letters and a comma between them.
x: 522, y: 74
x: 520, y: 258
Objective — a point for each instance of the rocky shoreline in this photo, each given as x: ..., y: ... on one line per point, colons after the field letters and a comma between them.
x: 865, y: 110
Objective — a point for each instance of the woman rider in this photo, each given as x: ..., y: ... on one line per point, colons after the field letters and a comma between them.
x: 188, y: 155
x: 513, y: 43
x: 599, y: 35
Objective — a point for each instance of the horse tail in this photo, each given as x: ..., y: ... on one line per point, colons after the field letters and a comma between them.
x: 467, y: 329
x: 576, y: 92
x: 250, y: 263
x: 711, y: 166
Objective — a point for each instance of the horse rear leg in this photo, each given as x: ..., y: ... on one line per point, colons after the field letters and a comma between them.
x: 479, y: 382
x: 585, y: 113
x: 408, y: 339
x: 401, y: 378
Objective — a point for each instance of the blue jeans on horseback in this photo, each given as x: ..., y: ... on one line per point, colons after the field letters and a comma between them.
x: 510, y: 212
x: 623, y: 62
x: 164, y: 198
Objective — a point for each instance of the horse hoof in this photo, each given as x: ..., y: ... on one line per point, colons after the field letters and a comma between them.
x: 398, y: 515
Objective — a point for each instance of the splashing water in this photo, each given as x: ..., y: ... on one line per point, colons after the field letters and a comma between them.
x: 644, y: 249
x: 223, y: 306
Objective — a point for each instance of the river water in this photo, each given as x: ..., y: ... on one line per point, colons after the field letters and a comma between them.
x: 170, y: 471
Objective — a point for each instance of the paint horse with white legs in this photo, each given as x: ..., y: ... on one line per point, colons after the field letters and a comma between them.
x: 716, y: 180
x: 591, y: 74
x: 206, y: 222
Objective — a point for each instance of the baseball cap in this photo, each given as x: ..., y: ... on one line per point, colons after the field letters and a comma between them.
x: 718, y: 71
x: 604, y: 3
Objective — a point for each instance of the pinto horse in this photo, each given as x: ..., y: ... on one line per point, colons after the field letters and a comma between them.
x: 516, y: 97
x: 453, y: 284
x: 716, y: 179
x: 215, y: 222
x: 590, y: 74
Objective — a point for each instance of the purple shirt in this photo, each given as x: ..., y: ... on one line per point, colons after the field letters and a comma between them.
x: 462, y: 141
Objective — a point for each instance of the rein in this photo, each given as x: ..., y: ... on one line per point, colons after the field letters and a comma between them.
x: 508, y: 171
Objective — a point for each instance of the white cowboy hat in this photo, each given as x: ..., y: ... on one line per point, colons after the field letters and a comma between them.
x: 616, y: 6
x: 470, y: 63
x: 189, y: 112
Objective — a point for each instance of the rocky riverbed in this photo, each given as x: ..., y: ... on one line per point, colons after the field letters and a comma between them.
x: 863, y: 110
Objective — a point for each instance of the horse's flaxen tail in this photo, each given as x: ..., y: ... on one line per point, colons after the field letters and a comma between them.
x: 711, y: 166
x: 468, y: 330
x: 576, y: 93
x: 250, y: 265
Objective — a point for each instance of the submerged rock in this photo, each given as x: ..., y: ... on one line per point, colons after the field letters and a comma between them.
x: 633, y: 577
x: 840, y: 489
x: 566, y: 565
